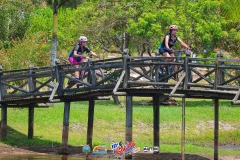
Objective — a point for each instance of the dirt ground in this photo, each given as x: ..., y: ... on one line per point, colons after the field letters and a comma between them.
x: 6, y: 150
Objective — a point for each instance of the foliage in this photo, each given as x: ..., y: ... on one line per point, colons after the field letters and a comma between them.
x: 207, y: 28
x: 231, y: 9
x: 112, y: 26
x: 14, y: 20
x: 22, y: 56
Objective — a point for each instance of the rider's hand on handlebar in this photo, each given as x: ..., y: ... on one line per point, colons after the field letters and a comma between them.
x: 97, y: 56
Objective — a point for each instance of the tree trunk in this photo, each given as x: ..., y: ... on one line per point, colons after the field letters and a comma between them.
x: 126, y: 42
x: 53, y: 54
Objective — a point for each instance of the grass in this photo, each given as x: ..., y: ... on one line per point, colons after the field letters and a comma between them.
x: 109, y: 126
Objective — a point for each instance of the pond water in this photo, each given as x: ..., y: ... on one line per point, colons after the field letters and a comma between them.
x: 142, y: 156
x: 15, y: 156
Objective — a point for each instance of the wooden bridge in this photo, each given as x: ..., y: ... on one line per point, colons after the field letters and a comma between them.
x: 215, y: 79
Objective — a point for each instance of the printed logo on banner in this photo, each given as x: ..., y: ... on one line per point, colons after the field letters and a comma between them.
x: 124, y: 149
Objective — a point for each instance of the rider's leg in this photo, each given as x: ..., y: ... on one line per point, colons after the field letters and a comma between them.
x: 166, y: 54
x: 76, y: 73
x: 81, y: 72
x: 175, y: 66
x: 74, y: 61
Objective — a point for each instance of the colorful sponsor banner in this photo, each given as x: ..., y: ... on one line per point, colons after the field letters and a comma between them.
x: 128, y: 148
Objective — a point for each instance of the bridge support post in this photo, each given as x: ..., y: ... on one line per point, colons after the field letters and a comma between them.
x: 129, y: 112
x: 216, y: 127
x: 183, y: 128
x: 32, y: 87
x: 129, y: 121
x: 4, y: 122
x: 90, y: 122
x: 65, y: 130
x: 30, y: 122
x: 156, y: 116
x: 218, y: 80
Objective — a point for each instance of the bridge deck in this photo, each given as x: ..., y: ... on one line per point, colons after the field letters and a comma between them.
x: 141, y: 76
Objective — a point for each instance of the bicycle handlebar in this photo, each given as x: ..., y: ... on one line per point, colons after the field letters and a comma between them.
x: 91, y: 57
x: 188, y: 52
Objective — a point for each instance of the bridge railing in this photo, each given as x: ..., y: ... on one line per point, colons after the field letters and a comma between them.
x: 26, y: 83
x: 94, y: 75
x: 201, y: 73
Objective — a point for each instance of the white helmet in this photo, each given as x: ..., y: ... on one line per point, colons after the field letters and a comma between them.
x: 173, y: 27
x: 82, y: 39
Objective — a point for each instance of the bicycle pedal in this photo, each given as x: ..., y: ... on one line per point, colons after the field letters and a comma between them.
x: 175, y: 78
x: 79, y: 84
x: 70, y: 83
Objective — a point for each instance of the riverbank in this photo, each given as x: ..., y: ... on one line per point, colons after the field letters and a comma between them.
x: 9, y: 152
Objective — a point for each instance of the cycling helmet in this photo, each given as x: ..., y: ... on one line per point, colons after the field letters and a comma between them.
x: 82, y: 39
x: 173, y: 27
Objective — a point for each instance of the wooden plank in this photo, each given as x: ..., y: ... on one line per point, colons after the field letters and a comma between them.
x: 22, y: 76
x: 177, y: 84
x: 53, y: 91
x: 202, y: 77
x: 142, y: 74
x: 44, y: 84
x: 14, y: 87
x: 235, y: 99
x: 119, y: 82
x: 26, y: 95
x: 109, y: 77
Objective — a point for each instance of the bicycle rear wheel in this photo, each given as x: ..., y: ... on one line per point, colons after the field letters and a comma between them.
x: 92, y: 76
x: 159, y: 73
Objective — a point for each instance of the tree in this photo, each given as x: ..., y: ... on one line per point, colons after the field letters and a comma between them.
x: 231, y: 9
x: 13, y: 20
x: 112, y: 26
x: 56, y: 4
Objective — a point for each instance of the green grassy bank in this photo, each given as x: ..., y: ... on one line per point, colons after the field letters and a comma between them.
x: 109, y: 126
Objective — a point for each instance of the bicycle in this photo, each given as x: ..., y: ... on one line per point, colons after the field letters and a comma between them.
x: 87, y: 77
x: 163, y: 72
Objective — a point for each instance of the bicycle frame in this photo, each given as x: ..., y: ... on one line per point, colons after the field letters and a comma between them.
x: 167, y: 71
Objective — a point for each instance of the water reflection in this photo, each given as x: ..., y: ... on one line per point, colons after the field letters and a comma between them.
x: 138, y: 156
x: 43, y: 157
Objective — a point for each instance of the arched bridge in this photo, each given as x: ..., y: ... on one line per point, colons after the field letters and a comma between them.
x: 211, y: 78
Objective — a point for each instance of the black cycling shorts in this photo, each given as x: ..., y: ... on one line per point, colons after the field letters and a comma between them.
x: 162, y: 50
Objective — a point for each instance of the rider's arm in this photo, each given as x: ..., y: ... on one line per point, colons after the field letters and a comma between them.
x: 93, y: 54
x: 166, y: 42
x: 183, y: 44
x: 75, y: 54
